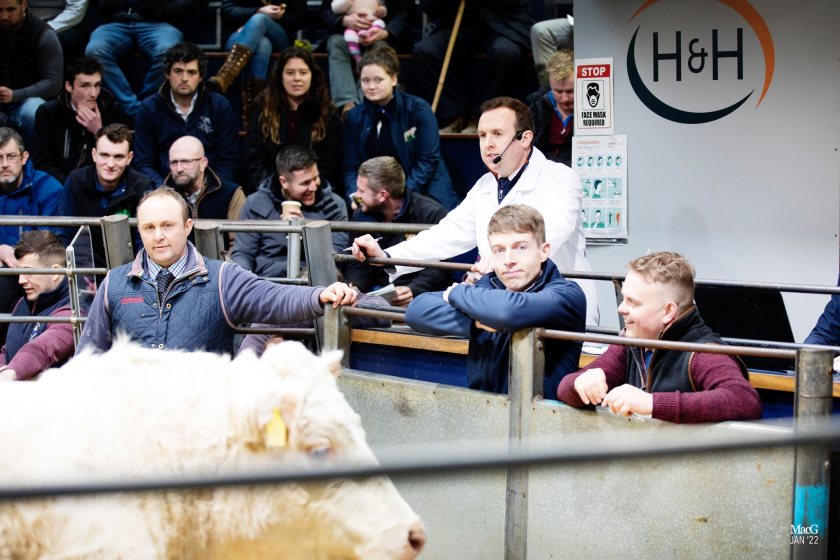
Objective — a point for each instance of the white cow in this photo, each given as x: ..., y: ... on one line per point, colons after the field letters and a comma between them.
x: 136, y: 413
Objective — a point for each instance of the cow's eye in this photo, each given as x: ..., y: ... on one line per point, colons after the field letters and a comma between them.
x: 319, y: 452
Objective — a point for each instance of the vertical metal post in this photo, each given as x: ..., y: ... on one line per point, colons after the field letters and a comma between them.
x: 293, y: 241
x: 809, y: 529
x: 117, y: 237
x: 317, y: 245
x: 521, y: 393
x: 73, y: 286
x: 208, y: 239
x: 336, y: 333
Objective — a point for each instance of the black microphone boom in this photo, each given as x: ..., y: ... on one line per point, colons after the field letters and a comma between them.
x: 517, y: 136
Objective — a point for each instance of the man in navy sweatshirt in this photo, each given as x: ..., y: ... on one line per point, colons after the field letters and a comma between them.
x: 524, y: 290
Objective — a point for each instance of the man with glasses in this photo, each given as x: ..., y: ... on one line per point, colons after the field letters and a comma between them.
x: 208, y: 195
x: 184, y: 106
x: 24, y: 191
x: 107, y: 187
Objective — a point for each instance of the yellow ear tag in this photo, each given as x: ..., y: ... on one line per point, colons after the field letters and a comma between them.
x: 276, y: 431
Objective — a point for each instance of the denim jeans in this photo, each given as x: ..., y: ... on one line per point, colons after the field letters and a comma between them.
x: 112, y: 41
x: 342, y: 81
x: 21, y: 116
x: 262, y: 35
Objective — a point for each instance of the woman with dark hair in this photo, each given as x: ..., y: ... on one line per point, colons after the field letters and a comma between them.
x: 392, y: 123
x: 294, y: 108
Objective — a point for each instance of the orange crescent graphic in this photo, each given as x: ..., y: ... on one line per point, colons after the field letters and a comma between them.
x: 759, y: 27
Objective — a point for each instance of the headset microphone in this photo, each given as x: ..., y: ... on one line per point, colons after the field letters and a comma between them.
x: 517, y: 136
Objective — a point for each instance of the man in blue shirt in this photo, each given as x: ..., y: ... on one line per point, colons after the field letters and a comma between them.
x: 524, y: 290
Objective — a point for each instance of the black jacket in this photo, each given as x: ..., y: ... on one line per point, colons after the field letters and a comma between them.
x: 61, y: 144
x: 417, y: 209
x: 150, y: 10
x: 541, y: 112
x: 508, y: 18
x: 81, y: 198
x: 259, y: 160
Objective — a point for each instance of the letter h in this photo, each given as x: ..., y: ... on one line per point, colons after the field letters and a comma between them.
x: 677, y: 56
x: 737, y: 53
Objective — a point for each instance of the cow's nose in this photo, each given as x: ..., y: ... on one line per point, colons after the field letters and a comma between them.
x: 416, y: 538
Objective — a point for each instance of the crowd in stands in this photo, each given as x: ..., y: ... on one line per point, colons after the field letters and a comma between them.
x: 79, y: 136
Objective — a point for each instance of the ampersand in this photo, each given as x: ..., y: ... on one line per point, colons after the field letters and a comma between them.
x: 701, y: 54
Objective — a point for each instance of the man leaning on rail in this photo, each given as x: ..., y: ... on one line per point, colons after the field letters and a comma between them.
x: 171, y: 297
x: 681, y: 387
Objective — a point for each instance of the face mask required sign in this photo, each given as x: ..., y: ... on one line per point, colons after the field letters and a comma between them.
x: 594, y: 96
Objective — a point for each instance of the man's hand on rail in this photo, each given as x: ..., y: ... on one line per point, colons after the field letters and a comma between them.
x: 338, y: 293
x: 7, y: 256
x: 627, y: 399
x: 591, y: 386
x: 366, y: 246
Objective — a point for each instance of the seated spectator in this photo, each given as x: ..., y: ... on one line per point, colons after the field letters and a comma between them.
x: 383, y: 198
x: 547, y: 37
x: 553, y: 109
x: 398, y: 18
x: 185, y: 106
x: 682, y: 387
x: 130, y: 25
x: 65, y: 127
x: 73, y: 21
x: 396, y: 124
x: 297, y: 179
x: 497, y: 29
x: 294, y: 108
x: 524, y: 290
x: 517, y: 173
x: 255, y: 29
x: 107, y: 187
x: 31, y: 348
x: 24, y: 191
x: 31, y: 63
x: 208, y: 195
x: 171, y: 297
x: 827, y: 330
x: 370, y: 12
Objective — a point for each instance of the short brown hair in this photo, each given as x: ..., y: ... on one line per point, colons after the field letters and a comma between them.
x: 384, y: 172
x: 561, y: 65
x: 116, y: 133
x: 666, y: 267
x: 524, y: 120
x: 517, y: 218
x: 382, y: 55
x: 170, y: 192
x: 43, y: 243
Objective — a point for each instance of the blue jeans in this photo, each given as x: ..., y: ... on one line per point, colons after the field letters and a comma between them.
x: 262, y: 35
x: 112, y: 41
x: 21, y: 116
x: 342, y: 81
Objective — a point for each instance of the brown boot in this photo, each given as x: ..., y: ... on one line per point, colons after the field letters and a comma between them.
x: 251, y: 88
x: 234, y: 63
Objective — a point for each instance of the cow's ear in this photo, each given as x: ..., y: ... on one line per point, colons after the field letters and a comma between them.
x: 332, y: 360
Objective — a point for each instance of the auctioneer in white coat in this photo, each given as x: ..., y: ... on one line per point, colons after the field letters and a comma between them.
x: 137, y: 413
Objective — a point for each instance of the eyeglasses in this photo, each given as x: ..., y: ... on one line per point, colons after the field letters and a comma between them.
x: 184, y: 162
x: 10, y: 158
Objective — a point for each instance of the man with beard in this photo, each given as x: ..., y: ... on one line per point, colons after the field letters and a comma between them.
x: 207, y: 194
x: 30, y: 66
x: 107, y: 187
x: 382, y: 198
x: 297, y: 179
x: 65, y: 127
x: 24, y: 191
x: 184, y: 106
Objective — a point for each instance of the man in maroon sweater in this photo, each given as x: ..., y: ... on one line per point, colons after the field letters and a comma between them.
x: 679, y: 387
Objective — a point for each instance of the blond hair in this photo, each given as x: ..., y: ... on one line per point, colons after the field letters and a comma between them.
x: 561, y: 65
x: 517, y: 218
x: 669, y: 268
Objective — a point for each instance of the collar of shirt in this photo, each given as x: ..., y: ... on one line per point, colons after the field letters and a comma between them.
x: 506, y: 185
x: 553, y: 102
x: 178, y: 107
x: 177, y: 268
